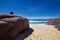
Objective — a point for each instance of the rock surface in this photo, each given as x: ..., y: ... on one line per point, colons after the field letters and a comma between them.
x: 11, y: 25
x: 55, y: 22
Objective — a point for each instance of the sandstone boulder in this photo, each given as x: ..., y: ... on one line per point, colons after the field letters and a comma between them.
x: 4, y: 27
x: 12, y: 25
x: 52, y: 21
x: 55, y: 22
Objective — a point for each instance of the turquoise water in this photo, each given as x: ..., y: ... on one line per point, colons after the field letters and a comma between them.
x: 38, y: 21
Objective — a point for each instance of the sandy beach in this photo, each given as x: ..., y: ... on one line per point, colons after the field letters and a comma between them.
x: 40, y: 32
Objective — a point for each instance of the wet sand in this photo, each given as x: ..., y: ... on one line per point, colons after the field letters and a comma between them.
x: 42, y: 32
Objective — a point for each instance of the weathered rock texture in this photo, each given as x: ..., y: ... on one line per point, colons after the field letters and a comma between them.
x: 11, y: 25
x: 55, y: 22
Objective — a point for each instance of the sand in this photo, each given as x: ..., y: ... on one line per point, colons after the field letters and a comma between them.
x: 40, y: 32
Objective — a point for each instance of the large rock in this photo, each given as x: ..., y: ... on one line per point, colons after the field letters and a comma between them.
x: 52, y: 21
x: 12, y: 25
x: 58, y: 20
x: 55, y: 22
x: 4, y: 27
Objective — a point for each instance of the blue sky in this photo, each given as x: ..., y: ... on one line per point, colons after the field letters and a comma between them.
x: 31, y: 8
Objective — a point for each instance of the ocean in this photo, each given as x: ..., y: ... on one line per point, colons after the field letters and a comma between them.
x: 38, y: 21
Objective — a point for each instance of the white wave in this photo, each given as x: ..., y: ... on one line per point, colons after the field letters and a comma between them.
x: 37, y: 21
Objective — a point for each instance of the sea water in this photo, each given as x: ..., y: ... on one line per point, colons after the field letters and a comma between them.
x: 38, y: 21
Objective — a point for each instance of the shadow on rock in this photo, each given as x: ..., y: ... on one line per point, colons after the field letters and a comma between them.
x: 25, y: 34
